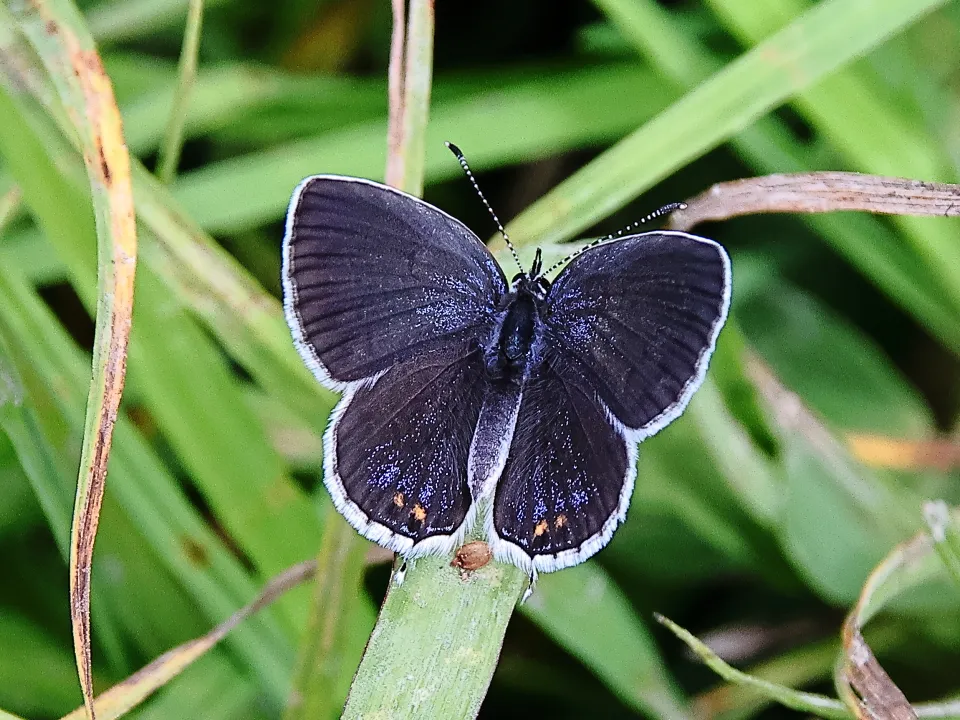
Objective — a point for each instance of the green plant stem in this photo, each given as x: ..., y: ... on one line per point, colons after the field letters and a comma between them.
x: 805, y: 702
x: 436, y: 643
x: 330, y: 649
x: 187, y: 73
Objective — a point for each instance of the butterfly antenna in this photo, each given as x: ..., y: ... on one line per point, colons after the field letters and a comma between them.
x: 473, y: 181
x: 665, y: 210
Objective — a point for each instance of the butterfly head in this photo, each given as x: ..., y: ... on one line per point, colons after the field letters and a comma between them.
x: 532, y: 282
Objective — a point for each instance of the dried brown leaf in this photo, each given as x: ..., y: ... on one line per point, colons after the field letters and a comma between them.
x: 818, y: 192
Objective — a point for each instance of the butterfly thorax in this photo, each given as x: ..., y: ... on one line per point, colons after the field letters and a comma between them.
x: 517, y: 334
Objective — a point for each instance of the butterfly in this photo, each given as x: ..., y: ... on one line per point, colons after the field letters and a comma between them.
x: 469, y: 398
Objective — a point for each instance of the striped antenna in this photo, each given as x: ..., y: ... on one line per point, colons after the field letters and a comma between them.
x: 665, y: 210
x: 466, y: 169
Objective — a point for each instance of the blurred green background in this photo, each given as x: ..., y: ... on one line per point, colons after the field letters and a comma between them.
x: 746, y: 527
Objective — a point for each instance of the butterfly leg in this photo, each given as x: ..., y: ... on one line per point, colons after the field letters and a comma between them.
x: 400, y: 573
x: 531, y: 586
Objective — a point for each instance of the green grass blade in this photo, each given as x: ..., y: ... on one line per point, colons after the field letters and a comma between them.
x: 186, y: 75
x: 184, y: 544
x: 247, y: 320
x: 534, y: 118
x: 50, y: 475
x: 823, y: 39
x: 769, y: 147
x: 585, y: 612
x: 908, y: 565
x: 330, y: 651
x: 174, y: 363
x: 871, y: 131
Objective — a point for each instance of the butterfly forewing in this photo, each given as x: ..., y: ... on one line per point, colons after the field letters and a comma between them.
x: 373, y: 277
x: 567, y: 479
x: 638, y: 320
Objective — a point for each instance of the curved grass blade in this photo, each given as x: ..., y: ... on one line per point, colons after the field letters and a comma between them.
x: 247, y: 319
x: 866, y: 688
x: 86, y: 92
x: 147, y: 493
x: 828, y: 36
x: 819, y: 705
x: 126, y: 695
x: 224, y: 447
x: 862, y: 682
x: 804, y: 665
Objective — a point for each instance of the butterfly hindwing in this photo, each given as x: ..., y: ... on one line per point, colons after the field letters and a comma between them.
x: 638, y: 319
x: 397, y: 451
x: 567, y: 479
x: 373, y: 277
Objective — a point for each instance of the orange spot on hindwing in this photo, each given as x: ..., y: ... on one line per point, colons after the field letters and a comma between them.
x: 540, y: 528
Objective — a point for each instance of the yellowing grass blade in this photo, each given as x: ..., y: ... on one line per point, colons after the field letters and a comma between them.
x: 55, y: 29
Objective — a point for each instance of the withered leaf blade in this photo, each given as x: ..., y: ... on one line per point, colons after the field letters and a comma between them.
x: 818, y: 192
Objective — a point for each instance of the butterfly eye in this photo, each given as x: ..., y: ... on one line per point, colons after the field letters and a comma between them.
x: 517, y: 278
x: 543, y: 284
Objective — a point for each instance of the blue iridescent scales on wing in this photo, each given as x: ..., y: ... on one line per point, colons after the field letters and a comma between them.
x: 467, y: 399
